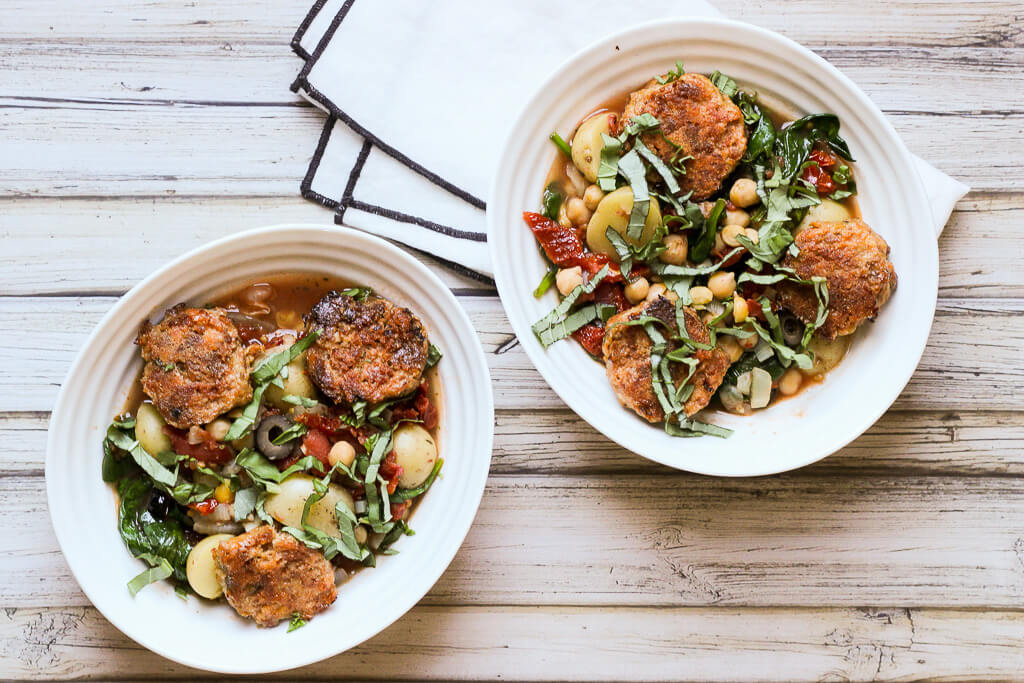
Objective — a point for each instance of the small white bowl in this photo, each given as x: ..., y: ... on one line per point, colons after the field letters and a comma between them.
x: 822, y: 418
x: 210, y: 635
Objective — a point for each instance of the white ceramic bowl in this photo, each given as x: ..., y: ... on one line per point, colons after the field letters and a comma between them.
x: 210, y: 635
x: 820, y: 420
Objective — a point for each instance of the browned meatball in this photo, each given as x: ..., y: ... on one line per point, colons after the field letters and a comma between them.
x: 854, y: 260
x: 369, y: 350
x: 706, y: 125
x: 268, y: 576
x: 196, y: 366
x: 627, y: 356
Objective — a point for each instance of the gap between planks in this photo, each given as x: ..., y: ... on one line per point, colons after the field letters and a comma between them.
x: 543, y: 643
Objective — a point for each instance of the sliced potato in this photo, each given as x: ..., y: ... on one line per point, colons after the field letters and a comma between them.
x: 286, y: 505
x: 200, y: 568
x: 149, y: 430
x: 297, y: 383
x: 587, y: 144
x: 827, y: 354
x: 415, y: 453
x: 828, y: 211
x: 613, y: 211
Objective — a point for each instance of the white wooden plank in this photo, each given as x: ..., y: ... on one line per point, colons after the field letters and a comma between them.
x: 949, y: 377
x: 818, y: 22
x: 675, y: 540
x: 897, y: 78
x: 557, y: 442
x: 473, y: 643
x: 107, y: 245
x: 115, y: 149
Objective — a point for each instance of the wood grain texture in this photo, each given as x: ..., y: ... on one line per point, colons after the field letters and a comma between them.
x: 132, y: 132
x: 488, y: 643
x: 555, y: 441
x: 948, y: 378
x: 106, y: 245
x: 975, y: 23
x: 113, y: 148
x: 676, y: 540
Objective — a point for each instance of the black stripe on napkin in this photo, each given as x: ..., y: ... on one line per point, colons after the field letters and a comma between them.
x: 303, y: 27
x: 302, y: 83
x: 306, y: 186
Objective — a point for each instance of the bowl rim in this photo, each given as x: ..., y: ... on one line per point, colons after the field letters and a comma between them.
x: 505, y: 282
x: 299, y: 656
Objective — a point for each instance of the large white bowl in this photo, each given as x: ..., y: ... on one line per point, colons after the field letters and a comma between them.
x: 820, y: 420
x: 210, y: 635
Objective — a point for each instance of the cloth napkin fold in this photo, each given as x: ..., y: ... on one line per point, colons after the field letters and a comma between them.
x: 421, y: 95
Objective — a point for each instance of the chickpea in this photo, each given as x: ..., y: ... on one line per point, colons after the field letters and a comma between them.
x: 740, y: 310
x: 729, y: 234
x: 592, y: 197
x: 577, y: 211
x: 360, y: 534
x: 218, y: 429
x: 636, y: 291
x: 223, y: 493
x: 675, y: 250
x: 655, y: 291
x: 790, y: 382
x: 701, y: 295
x: 569, y: 279
x: 744, y: 193
x: 751, y: 234
x: 731, y: 347
x: 720, y: 247
x: 737, y: 217
x: 342, y: 452
x: 289, y: 320
x: 722, y: 284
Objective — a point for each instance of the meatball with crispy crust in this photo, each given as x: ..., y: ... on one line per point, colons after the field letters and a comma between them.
x: 627, y: 354
x: 268, y: 576
x: 370, y: 350
x: 196, y: 366
x: 704, y: 123
x: 854, y: 260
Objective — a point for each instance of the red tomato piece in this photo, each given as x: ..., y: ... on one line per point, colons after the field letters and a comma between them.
x: 205, y: 507
x: 207, y: 451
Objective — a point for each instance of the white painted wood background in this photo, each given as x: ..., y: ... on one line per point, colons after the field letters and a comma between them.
x: 132, y: 131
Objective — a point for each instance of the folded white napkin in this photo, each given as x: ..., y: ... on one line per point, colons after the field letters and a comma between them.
x: 421, y: 96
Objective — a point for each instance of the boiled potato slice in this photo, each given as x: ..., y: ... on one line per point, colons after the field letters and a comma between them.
x: 587, y: 144
x: 200, y: 568
x: 415, y: 453
x: 828, y: 211
x: 286, y: 505
x: 297, y: 383
x: 614, y: 211
x: 827, y: 354
x: 149, y: 430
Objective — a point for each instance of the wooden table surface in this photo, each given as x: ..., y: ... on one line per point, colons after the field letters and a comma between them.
x: 133, y: 131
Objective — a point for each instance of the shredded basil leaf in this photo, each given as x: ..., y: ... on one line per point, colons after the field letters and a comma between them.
x: 608, y: 169
x: 633, y: 170
x: 402, y: 495
x: 434, y: 356
x: 672, y: 75
x: 556, y: 324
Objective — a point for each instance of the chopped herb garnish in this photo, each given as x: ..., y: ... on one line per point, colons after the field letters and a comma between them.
x: 673, y: 74
x: 297, y: 622
x: 559, y: 323
x: 546, y: 281
x: 434, y: 356
x: 561, y: 144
